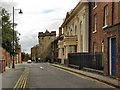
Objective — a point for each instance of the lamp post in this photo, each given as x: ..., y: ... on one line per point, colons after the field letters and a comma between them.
x: 20, y: 12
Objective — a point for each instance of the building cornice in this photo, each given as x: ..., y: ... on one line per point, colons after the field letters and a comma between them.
x: 73, y: 13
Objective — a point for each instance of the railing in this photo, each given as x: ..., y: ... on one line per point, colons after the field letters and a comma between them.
x: 58, y: 61
x: 89, y: 60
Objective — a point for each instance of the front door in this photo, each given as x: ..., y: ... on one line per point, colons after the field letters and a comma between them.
x: 113, y: 56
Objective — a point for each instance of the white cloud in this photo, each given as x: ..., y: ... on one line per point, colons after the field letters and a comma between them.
x: 38, y: 15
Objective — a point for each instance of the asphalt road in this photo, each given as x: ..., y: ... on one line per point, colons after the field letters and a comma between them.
x: 51, y: 77
x: 46, y: 77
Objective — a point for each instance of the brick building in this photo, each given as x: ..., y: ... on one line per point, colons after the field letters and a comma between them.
x: 34, y: 53
x: 105, y: 34
x: 18, y: 56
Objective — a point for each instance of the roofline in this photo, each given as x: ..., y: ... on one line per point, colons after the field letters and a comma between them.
x: 72, y: 13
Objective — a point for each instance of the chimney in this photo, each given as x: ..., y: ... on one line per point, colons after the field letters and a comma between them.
x: 60, y: 31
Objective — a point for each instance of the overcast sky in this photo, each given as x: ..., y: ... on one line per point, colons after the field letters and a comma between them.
x: 38, y: 15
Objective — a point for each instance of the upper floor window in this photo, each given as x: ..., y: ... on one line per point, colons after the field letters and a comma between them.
x: 95, y: 4
x: 105, y: 15
x: 71, y: 32
x: 75, y: 30
x: 95, y: 23
x: 63, y: 51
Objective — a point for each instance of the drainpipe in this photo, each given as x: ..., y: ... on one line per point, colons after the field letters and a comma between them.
x: 112, y: 12
x: 89, y: 41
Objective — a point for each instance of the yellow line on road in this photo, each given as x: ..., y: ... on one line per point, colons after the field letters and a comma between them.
x: 23, y: 79
x: 22, y: 83
x: 25, y: 83
x: 88, y: 78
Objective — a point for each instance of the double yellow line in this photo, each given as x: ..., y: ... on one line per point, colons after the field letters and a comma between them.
x: 81, y: 76
x: 23, y: 79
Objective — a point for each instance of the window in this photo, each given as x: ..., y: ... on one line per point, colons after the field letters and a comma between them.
x: 95, y: 22
x: 71, y: 32
x: 94, y: 47
x: 63, y: 51
x: 75, y: 30
x: 81, y: 37
x: 73, y: 48
x: 102, y: 47
x: 95, y: 4
x: 105, y: 16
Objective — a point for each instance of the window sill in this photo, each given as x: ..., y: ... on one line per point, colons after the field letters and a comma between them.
x: 104, y: 26
x: 95, y: 7
x: 94, y: 31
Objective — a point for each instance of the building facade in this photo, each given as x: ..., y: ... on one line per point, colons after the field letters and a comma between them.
x: 54, y: 46
x: 44, y: 48
x: 75, y: 32
x: 34, y: 52
x: 104, y: 36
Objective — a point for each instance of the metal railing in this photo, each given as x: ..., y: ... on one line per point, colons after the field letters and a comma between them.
x: 89, y: 60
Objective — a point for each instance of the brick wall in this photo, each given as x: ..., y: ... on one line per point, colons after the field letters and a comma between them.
x: 103, y: 34
x: 99, y: 10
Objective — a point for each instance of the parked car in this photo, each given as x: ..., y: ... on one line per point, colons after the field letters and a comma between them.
x: 29, y: 61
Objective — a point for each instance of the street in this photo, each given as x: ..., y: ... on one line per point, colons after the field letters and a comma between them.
x: 33, y: 76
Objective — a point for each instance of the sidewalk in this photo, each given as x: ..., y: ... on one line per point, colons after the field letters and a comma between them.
x: 102, y: 78
x: 11, y: 76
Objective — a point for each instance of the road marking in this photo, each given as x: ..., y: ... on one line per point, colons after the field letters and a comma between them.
x: 23, y: 79
x: 88, y: 78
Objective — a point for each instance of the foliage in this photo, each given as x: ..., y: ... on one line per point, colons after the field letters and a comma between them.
x: 25, y: 56
x: 7, y: 32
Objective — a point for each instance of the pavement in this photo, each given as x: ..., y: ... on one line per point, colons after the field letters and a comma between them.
x: 98, y: 77
x: 11, y: 76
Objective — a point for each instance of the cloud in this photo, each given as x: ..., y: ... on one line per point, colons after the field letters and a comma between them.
x: 48, y: 11
x: 38, y: 15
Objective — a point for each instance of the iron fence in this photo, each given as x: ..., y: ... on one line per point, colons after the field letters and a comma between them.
x: 89, y: 60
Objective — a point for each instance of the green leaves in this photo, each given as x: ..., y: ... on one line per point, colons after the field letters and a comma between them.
x: 7, y: 32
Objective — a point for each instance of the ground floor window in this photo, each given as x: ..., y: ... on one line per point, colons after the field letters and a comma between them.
x: 94, y: 47
x: 73, y: 48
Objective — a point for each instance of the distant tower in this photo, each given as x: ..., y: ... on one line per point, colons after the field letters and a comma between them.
x: 45, y: 39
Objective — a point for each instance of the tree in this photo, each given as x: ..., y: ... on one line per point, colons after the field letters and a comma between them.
x: 27, y: 56
x: 23, y: 56
x: 7, y: 32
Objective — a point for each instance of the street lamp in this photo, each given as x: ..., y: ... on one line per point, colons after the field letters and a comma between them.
x: 20, y: 12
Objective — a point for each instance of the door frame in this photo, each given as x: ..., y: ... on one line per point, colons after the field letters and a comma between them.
x: 110, y: 55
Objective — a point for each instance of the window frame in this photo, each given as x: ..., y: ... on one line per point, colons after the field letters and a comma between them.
x: 105, y: 18
x: 95, y: 24
x: 95, y: 4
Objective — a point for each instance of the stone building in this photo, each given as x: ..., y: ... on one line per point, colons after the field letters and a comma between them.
x: 44, y: 48
x: 75, y: 31
x: 105, y: 34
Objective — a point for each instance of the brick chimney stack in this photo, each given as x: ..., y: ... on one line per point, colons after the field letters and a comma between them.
x: 60, y: 31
